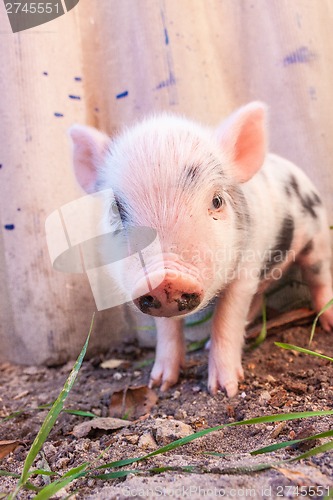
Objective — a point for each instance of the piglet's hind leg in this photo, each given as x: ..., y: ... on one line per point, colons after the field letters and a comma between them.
x: 315, y: 261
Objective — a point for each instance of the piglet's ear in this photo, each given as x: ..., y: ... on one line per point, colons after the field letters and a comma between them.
x: 243, y: 137
x: 89, y: 148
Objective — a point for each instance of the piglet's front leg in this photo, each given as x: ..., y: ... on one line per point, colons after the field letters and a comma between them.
x: 225, y: 357
x: 170, y: 353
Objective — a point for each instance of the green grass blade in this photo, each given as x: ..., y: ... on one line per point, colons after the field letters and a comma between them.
x: 314, y: 451
x: 326, y: 306
x: 180, y: 442
x: 197, y: 345
x: 31, y: 487
x: 77, y: 470
x: 50, y: 490
x: 301, y: 349
x: 53, y: 414
x: 115, y: 475
x: 47, y: 406
x: 80, y: 413
x: 143, y: 364
x: 201, y: 321
x: 42, y: 472
x: 262, y: 466
x: 12, y: 415
x: 9, y: 474
x: 284, y: 444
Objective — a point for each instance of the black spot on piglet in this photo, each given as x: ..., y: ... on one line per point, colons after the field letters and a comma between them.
x: 192, y: 172
x: 282, y: 245
x: 308, y: 201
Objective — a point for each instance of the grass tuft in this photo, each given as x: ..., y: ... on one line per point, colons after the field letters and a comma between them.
x: 326, y: 306
x: 49, y: 422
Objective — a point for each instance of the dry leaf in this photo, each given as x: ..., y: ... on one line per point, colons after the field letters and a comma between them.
x: 114, y: 363
x: 132, y: 402
x: 7, y: 447
x: 102, y: 423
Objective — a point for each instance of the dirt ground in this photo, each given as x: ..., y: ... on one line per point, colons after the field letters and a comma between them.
x: 276, y: 381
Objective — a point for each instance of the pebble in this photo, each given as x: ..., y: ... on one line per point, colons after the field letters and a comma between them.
x: 147, y: 442
x: 132, y: 438
x: 264, y: 397
x: 167, y: 431
x: 176, y: 395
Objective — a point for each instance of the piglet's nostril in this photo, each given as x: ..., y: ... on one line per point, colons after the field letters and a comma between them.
x: 148, y: 302
x: 188, y: 301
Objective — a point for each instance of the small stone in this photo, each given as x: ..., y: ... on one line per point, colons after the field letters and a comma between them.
x: 117, y: 376
x: 270, y: 378
x: 264, y: 397
x: 176, y: 395
x: 278, y: 429
x: 132, y: 438
x: 279, y: 398
x: 147, y: 442
x: 167, y: 431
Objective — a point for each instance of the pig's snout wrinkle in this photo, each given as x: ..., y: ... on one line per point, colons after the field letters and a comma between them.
x: 173, y: 297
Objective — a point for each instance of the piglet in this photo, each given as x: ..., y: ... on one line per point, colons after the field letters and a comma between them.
x: 230, y: 218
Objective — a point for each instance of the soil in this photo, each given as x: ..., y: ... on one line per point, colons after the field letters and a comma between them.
x: 276, y: 381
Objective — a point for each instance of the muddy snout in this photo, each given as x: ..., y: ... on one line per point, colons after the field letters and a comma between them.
x: 177, y: 294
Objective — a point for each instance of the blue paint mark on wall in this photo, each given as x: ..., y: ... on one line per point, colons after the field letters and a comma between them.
x: 168, y: 82
x: 166, y: 34
x: 300, y: 56
x: 122, y: 94
x: 9, y: 227
x: 78, y: 78
x: 45, y: 73
x: 58, y: 115
x: 77, y: 97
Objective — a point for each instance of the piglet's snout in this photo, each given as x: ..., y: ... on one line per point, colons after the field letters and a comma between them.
x: 177, y: 294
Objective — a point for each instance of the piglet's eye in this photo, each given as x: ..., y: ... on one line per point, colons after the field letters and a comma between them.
x: 217, y: 201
